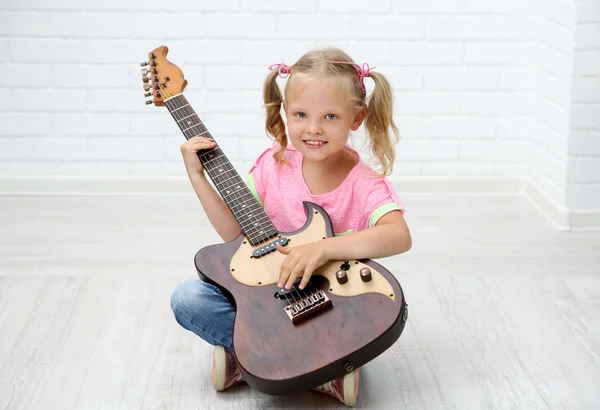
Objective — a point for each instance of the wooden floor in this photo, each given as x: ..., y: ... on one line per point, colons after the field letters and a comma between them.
x: 504, y: 310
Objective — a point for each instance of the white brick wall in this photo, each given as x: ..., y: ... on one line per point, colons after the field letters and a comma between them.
x: 482, y: 87
x: 462, y: 71
x: 583, y: 175
x: 565, y: 157
x: 554, y: 22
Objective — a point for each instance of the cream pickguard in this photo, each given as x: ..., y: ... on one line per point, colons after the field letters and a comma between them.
x: 264, y: 271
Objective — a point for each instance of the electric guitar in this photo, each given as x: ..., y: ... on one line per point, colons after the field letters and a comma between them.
x: 285, y: 341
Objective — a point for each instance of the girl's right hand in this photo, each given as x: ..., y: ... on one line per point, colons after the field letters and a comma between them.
x: 189, y: 151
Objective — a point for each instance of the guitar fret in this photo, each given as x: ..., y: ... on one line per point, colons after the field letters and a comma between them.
x: 211, y: 160
x: 184, y: 114
x: 254, y: 221
x: 191, y: 115
x: 243, y: 205
x: 246, y: 192
x: 220, y: 174
x: 256, y: 229
x: 195, y: 125
x: 259, y: 219
x: 228, y: 179
x: 244, y: 202
x: 219, y: 168
x: 260, y: 234
x: 224, y: 174
x: 208, y: 152
x: 263, y: 237
x: 257, y: 232
x: 187, y: 105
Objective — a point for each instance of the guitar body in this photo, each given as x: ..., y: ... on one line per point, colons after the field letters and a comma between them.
x: 284, y: 341
x: 279, y: 357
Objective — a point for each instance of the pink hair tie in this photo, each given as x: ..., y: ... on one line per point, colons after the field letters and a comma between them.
x: 284, y: 69
x: 362, y: 71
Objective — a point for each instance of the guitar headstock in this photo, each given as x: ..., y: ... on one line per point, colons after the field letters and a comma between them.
x: 161, y: 78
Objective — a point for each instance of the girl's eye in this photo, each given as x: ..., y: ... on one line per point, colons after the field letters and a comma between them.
x: 301, y: 115
x: 331, y: 116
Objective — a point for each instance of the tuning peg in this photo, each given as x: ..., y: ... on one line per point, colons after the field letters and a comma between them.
x: 146, y: 87
x: 144, y: 71
x: 145, y: 79
x: 149, y: 102
x: 144, y: 63
x: 148, y: 95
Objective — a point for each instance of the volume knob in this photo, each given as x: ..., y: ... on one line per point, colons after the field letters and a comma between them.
x: 365, y: 274
x: 341, y: 276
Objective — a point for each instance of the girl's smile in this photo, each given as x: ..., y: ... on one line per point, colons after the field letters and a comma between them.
x: 313, y: 144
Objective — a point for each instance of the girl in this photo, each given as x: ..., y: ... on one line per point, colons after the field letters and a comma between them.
x: 324, y: 99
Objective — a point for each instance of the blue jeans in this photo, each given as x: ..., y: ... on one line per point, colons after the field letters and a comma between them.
x: 202, y: 309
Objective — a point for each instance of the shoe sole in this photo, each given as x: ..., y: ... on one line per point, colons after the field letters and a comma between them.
x: 349, y: 389
x: 219, y: 368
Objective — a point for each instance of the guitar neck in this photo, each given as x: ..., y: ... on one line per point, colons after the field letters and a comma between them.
x: 251, y: 217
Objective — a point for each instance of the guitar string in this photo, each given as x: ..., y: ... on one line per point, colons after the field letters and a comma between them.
x: 269, y: 267
x: 218, y: 161
x: 272, y: 269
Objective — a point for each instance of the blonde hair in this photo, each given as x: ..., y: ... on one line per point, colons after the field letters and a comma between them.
x: 379, y: 121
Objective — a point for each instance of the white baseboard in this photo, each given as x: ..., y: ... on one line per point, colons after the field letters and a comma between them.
x: 562, y: 218
x: 585, y: 220
x: 90, y: 185
x: 556, y: 214
x: 489, y: 185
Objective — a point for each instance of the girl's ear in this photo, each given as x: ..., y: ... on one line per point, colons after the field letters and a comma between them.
x: 359, y: 118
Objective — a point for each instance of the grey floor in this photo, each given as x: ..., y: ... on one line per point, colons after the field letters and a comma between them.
x: 504, y: 310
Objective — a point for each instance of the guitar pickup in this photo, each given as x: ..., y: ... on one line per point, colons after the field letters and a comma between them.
x: 270, y: 247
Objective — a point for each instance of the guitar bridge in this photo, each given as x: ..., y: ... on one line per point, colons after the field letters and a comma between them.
x: 307, y: 306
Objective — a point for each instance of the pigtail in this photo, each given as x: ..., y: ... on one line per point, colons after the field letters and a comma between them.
x: 379, y: 123
x: 275, y: 126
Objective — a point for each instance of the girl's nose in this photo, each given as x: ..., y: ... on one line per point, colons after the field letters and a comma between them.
x: 314, y: 128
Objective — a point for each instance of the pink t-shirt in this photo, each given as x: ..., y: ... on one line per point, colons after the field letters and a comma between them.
x: 356, y: 204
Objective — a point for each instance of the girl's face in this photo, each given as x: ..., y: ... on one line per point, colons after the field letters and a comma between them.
x: 319, y: 118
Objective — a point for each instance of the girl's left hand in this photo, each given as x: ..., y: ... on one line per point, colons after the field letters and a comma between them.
x: 300, y: 260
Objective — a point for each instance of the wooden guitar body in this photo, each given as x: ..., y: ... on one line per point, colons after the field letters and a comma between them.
x: 279, y: 357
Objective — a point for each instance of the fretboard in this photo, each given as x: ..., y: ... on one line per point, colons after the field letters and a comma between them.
x: 251, y: 217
